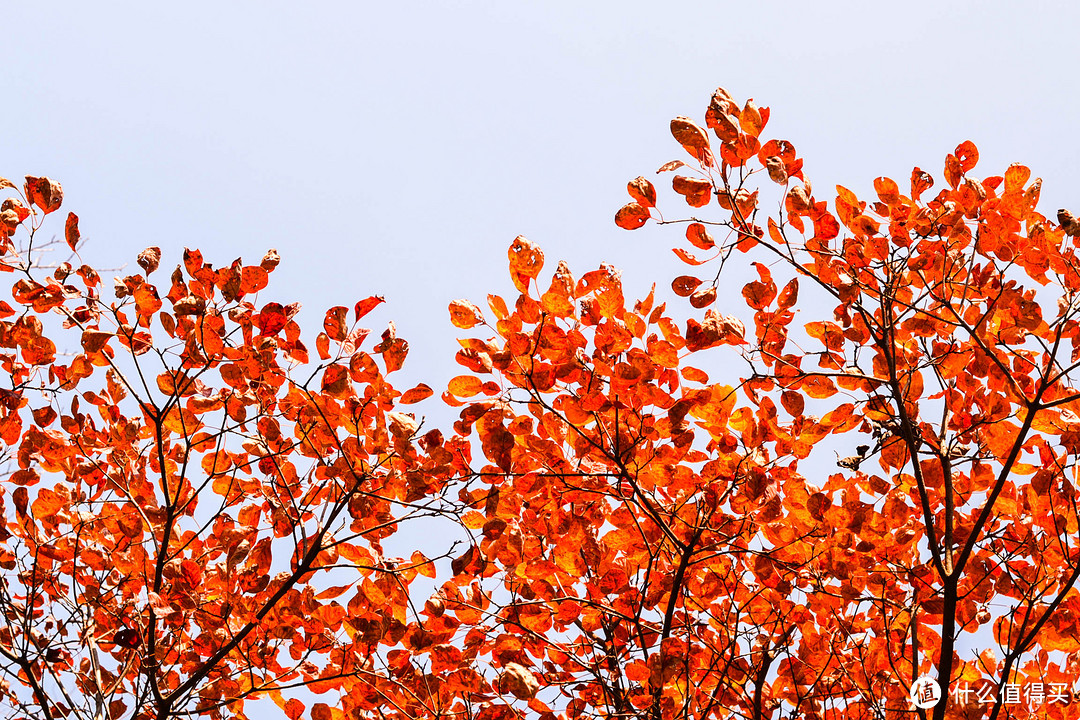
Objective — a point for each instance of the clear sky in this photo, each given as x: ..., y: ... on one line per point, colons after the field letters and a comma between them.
x: 397, y: 148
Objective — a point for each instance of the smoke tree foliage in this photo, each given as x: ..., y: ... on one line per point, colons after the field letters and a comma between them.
x: 197, y: 507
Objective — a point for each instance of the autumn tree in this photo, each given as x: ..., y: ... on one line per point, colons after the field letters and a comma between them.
x: 656, y: 536
x: 195, y: 511
x: 726, y: 514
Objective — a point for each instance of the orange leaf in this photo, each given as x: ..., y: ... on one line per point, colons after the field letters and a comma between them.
x: 1016, y: 177
x: 687, y: 257
x: 693, y: 139
x: 253, y: 279
x: 71, y: 230
x: 818, y: 387
x: 887, y: 191
x: 367, y: 305
x: 322, y: 711
x: 920, y: 181
x: 465, y: 386
x: 703, y: 297
x: 752, y: 120
x: 293, y: 708
x: 642, y: 191
x: 789, y: 295
x: 334, y: 323
x: 699, y: 237
x: 394, y: 354
x: 464, y: 314
x: 758, y: 294
x: 663, y: 353
x: 48, y: 503
x: 526, y: 261
x: 695, y: 375
x: 697, y: 192
x: 416, y: 394
x: 967, y: 155
x: 45, y: 193
x: 637, y: 671
x: 631, y: 216
x: 498, y: 306
x: 774, y: 232
x: 322, y: 345
x: 335, y: 381
x: 714, y: 330
x: 422, y: 564
x: 684, y: 285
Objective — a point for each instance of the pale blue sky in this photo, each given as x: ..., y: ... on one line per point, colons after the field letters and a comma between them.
x: 397, y: 148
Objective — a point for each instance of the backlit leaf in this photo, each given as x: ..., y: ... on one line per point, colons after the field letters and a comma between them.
x: 699, y: 237
x: 526, y: 261
x: 693, y: 139
x: 45, y: 193
x: 631, y: 216
x: 366, y: 305
x: 642, y: 191
x: 334, y: 323
x: 416, y: 394
x: 71, y: 231
x: 464, y: 314
x: 465, y: 386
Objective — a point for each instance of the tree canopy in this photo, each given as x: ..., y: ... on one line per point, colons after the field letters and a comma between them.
x: 200, y: 513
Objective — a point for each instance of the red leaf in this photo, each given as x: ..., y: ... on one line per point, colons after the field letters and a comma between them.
x: 920, y: 181
x: 322, y: 346
x: 253, y: 279
x: 271, y: 319
x: 526, y: 262
x: 693, y: 139
x: 45, y: 193
x: 687, y: 257
x: 714, y: 330
x: 684, y: 285
x: 697, y: 192
x: 416, y: 394
x: 127, y: 638
x: 789, y: 295
x: 334, y: 323
x: 148, y: 259
x: 335, y: 381
x: 703, y: 298
x: 293, y: 708
x: 699, y: 237
x: 367, y: 305
x: 631, y: 216
x: 968, y: 155
x: 642, y: 191
x: 71, y: 230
